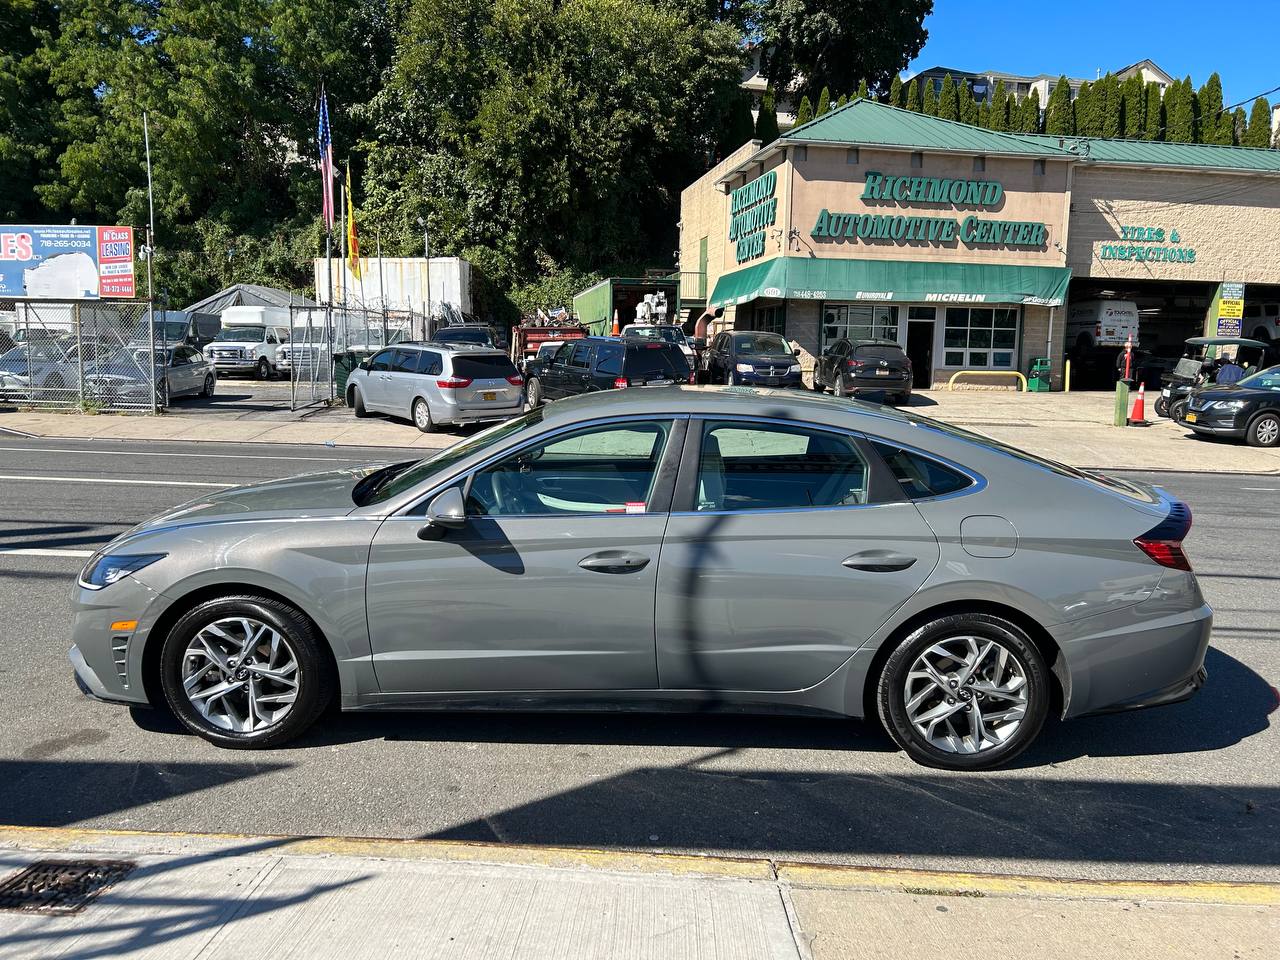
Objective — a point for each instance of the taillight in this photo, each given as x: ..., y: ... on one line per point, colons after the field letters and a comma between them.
x: 515, y: 380
x: 621, y: 383
x: 453, y: 383
x: 853, y: 363
x: 1163, y: 542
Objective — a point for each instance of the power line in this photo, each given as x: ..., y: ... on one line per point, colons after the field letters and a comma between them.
x: 1250, y: 100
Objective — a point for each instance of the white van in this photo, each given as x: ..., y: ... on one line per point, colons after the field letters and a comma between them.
x: 250, y: 341
x: 1102, y: 323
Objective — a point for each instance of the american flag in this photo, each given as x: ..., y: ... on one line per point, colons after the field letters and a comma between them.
x: 325, y: 143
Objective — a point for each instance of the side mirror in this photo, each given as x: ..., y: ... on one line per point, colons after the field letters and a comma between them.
x: 447, y: 511
x: 795, y: 352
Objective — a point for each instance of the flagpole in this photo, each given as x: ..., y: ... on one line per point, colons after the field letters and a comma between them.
x: 344, y: 245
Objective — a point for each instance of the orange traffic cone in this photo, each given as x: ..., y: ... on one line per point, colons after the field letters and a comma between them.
x: 1138, y: 418
x: 617, y: 329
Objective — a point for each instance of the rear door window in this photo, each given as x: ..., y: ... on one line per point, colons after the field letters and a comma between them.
x: 581, y: 359
x: 609, y: 360
x: 491, y: 366
x: 921, y: 476
x: 429, y: 363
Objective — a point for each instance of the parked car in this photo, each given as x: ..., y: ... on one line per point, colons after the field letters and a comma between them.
x: 752, y: 358
x: 178, y: 371
x: 435, y: 383
x: 669, y: 332
x: 606, y: 363
x: 248, y: 348
x: 850, y: 367
x: 1247, y: 410
x: 39, y: 369
x: 1197, y: 369
x: 624, y: 550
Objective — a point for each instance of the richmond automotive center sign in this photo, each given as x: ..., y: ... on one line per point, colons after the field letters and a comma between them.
x: 66, y: 262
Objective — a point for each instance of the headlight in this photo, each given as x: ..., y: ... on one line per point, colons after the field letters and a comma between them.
x: 794, y: 368
x: 744, y: 368
x: 105, y: 569
x: 1229, y: 404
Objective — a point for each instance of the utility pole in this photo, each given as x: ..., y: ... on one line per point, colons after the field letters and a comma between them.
x: 151, y: 234
x: 426, y: 253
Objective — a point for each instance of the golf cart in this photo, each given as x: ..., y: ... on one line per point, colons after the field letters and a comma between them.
x: 1203, y: 363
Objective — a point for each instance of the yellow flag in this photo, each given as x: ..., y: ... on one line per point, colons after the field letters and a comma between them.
x: 353, y: 242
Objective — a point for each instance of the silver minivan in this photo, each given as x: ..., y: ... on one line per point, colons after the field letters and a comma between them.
x: 437, y: 383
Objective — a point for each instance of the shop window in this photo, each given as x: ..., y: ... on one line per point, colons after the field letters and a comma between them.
x: 980, y: 337
x: 771, y: 319
x: 917, y: 160
x: 841, y: 321
x: 851, y: 155
x: 922, y: 313
x: 979, y: 164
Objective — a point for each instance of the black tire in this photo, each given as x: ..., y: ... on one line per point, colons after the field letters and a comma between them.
x: 207, y: 391
x: 1263, y: 430
x: 163, y: 397
x: 892, y: 683
x: 357, y: 404
x: 1178, y: 411
x: 264, y: 369
x: 533, y: 393
x: 420, y: 414
x: 816, y: 386
x: 316, y: 683
x: 840, y: 390
x: 1161, y: 407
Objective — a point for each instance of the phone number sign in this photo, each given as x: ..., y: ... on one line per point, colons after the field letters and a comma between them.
x: 42, y: 262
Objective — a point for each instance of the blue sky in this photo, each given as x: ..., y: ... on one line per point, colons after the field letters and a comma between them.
x: 1234, y: 37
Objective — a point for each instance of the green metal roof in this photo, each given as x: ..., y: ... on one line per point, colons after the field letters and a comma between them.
x: 893, y: 281
x: 868, y: 123
x: 1148, y: 153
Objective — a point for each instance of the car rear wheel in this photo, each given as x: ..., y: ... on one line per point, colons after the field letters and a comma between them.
x: 357, y: 404
x: 533, y: 393
x: 245, y: 672
x: 964, y: 692
x: 422, y: 416
x: 1264, y: 430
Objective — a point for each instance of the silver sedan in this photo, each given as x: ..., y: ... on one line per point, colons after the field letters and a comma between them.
x: 702, y: 548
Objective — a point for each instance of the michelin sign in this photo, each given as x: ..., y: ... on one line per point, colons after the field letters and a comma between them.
x: 66, y: 263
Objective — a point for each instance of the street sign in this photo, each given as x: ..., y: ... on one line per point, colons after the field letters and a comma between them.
x: 44, y: 262
x: 1230, y: 309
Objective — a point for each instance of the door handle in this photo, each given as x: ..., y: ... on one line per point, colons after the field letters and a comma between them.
x: 878, y: 561
x: 614, y: 561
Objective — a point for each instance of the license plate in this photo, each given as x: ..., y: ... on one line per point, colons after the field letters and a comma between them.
x: 659, y: 383
x: 1166, y: 392
x: 489, y: 395
x: 1191, y: 418
x: 882, y: 373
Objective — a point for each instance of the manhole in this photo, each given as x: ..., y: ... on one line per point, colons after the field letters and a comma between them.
x: 60, y: 886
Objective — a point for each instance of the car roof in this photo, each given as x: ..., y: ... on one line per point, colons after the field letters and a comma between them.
x: 478, y: 348
x: 876, y: 342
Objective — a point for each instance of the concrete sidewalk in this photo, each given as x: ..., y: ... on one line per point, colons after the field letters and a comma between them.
x: 1072, y: 428
x: 278, y: 898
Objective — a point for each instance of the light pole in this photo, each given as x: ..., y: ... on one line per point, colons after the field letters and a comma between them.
x: 151, y: 233
x: 426, y: 254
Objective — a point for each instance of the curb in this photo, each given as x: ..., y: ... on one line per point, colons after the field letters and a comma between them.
x: 789, y: 873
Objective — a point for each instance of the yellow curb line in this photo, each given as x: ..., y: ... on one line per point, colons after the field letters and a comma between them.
x: 792, y: 873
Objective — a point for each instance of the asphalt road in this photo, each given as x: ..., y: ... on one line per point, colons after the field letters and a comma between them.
x: 1188, y: 791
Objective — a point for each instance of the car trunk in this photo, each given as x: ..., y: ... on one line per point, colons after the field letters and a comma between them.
x: 490, y: 383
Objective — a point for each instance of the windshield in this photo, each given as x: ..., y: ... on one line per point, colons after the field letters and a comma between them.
x: 1268, y: 379
x: 242, y: 334
x: 396, y: 479
x: 669, y: 334
x: 761, y: 343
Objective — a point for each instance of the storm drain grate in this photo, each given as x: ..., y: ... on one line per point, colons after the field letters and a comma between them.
x: 60, y: 886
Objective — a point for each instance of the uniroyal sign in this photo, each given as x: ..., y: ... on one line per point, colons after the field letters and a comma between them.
x: 44, y: 262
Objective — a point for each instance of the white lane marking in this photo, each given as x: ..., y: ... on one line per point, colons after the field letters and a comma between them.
x: 1262, y: 489
x: 123, y: 481
x: 164, y: 453
x: 43, y: 552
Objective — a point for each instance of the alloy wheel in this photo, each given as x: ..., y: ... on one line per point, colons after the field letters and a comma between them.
x: 240, y: 674
x: 1267, y: 431
x: 966, y: 694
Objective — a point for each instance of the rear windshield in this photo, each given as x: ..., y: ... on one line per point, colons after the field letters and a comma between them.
x: 490, y: 366
x: 656, y: 358
x: 876, y: 351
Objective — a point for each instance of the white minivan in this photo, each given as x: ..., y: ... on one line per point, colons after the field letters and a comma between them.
x: 250, y: 341
x: 1102, y: 323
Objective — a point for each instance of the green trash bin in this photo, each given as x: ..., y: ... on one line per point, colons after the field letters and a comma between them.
x: 1039, y: 379
x: 343, y: 364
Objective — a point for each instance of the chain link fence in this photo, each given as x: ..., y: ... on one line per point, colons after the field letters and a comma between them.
x: 87, y: 355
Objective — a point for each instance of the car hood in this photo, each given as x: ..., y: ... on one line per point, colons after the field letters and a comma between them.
x: 326, y: 494
x: 1229, y: 392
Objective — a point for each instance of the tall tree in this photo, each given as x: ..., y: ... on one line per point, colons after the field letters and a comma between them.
x: 968, y: 105
x: 897, y: 96
x: 1110, y: 109
x: 739, y: 125
x: 1179, y: 109
x: 29, y: 134
x: 984, y: 115
x: 863, y: 92
x: 1029, y: 119
x: 824, y: 103
x: 1239, y: 124
x: 804, y: 113
x: 767, y: 119
x: 998, y: 112
x: 841, y: 101
x: 913, y: 101
x: 1058, y: 119
x: 1133, y: 96
x: 930, y: 107
x: 1215, y: 124
x: 1258, y: 133
x: 948, y: 100
x: 1086, y: 111
x: 1153, y: 128
x: 817, y: 43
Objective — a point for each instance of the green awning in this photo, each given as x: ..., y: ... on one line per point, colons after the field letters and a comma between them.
x: 898, y: 281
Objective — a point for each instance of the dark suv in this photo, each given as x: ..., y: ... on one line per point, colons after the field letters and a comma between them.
x: 605, y: 363
x: 851, y: 367
x: 753, y: 358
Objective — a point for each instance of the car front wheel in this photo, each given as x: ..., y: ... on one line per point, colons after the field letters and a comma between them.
x: 264, y: 369
x: 245, y: 672
x: 357, y: 404
x: 1264, y: 431
x: 964, y: 692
